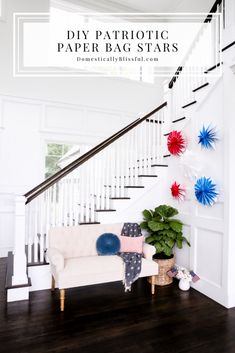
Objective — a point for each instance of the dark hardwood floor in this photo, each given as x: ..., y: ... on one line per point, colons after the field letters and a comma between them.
x: 104, y: 319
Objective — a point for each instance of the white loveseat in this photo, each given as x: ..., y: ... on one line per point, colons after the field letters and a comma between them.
x: 75, y: 262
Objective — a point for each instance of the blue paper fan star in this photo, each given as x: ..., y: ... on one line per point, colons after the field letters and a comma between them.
x: 205, y: 191
x: 208, y: 137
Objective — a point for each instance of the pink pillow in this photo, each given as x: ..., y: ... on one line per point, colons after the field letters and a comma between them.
x: 131, y: 244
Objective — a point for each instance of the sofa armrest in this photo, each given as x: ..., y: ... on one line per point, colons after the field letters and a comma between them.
x: 149, y: 251
x: 56, y: 259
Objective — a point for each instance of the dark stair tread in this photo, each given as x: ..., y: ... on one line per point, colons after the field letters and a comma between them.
x: 187, y: 105
x: 159, y: 165
x: 202, y: 86
x: 147, y: 176
x: 180, y: 119
x: 83, y: 223
x: 119, y: 198
x: 154, y: 121
x: 212, y: 68
x: 134, y: 187
x: 167, y: 155
x: 9, y: 274
x: 31, y: 264
x: 103, y: 210
x: 167, y: 134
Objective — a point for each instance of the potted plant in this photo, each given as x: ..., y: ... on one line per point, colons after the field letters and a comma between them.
x: 164, y: 232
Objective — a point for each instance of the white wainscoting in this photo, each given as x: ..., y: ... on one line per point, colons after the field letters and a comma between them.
x: 204, y: 226
x: 7, y: 209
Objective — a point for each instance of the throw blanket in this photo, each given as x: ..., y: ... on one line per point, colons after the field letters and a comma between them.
x: 132, y: 260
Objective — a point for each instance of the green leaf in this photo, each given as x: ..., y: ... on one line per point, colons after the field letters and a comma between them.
x: 167, y: 250
x: 147, y: 215
x: 166, y: 211
x: 158, y: 247
x: 144, y: 225
x: 186, y: 240
x: 155, y: 226
x: 177, y: 227
x: 149, y: 240
x: 169, y: 233
x: 179, y: 243
x: 170, y: 243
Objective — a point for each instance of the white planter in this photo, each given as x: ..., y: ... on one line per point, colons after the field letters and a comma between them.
x: 184, y: 284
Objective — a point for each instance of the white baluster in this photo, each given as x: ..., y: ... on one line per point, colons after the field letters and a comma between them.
x: 87, y: 197
x: 30, y: 230
x: 41, y: 226
x: 35, y: 241
x: 81, y: 194
x: 136, y: 155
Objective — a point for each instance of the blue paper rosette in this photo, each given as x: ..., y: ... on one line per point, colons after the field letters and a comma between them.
x: 206, y: 191
x: 207, y: 137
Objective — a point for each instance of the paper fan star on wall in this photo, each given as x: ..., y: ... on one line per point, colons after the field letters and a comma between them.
x: 208, y: 136
x: 176, y: 143
x: 177, y: 191
x: 206, y: 191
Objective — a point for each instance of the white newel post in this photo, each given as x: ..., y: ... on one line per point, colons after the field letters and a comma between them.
x: 19, y: 265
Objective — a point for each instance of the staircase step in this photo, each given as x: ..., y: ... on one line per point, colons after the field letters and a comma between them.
x: 159, y: 165
x: 167, y: 155
x: 167, y: 134
x: 202, y: 86
x: 36, y: 263
x: 187, y: 105
x: 133, y: 187
x: 84, y: 223
x: 212, y: 68
x: 110, y: 210
x: 147, y: 176
x: 9, y: 274
x: 119, y: 198
x: 180, y: 119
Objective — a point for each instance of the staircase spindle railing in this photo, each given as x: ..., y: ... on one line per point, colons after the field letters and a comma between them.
x: 86, y: 187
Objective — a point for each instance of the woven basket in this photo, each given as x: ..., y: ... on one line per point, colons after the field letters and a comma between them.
x: 162, y: 279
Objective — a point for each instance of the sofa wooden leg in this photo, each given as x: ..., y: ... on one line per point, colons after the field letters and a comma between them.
x: 152, y: 285
x: 62, y: 297
x: 52, y: 284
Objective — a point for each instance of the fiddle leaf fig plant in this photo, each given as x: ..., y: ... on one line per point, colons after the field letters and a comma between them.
x: 164, y: 231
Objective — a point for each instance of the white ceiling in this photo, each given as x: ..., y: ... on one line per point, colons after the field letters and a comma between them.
x: 167, y: 5
x: 145, y: 5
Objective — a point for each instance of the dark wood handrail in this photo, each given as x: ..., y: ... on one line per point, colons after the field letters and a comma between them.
x: 39, y: 189
x: 57, y: 174
x: 207, y: 19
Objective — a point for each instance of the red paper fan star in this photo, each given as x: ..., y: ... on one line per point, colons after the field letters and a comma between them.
x: 177, y: 191
x: 176, y: 143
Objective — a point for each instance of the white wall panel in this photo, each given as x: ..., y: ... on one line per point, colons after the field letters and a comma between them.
x: 183, y: 255
x: 215, y: 212
x: 6, y: 223
x: 20, y: 155
x: 209, y: 256
x: 59, y: 118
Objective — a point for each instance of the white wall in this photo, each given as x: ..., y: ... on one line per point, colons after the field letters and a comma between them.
x: 209, y: 229
x: 204, y: 226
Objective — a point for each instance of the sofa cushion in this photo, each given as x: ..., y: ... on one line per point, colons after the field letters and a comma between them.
x: 108, y: 244
x: 131, y: 244
x: 88, y: 270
